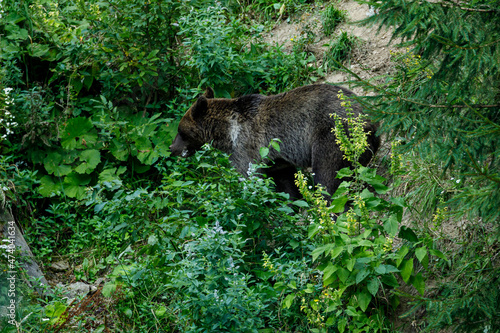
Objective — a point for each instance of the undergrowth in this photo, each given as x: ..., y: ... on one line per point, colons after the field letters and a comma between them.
x: 90, y: 97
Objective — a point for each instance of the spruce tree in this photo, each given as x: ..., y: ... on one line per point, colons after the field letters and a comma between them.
x: 444, y: 100
x: 443, y: 103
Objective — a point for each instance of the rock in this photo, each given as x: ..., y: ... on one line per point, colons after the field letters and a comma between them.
x: 59, y: 266
x: 98, y: 282
x: 10, y: 231
x: 78, y: 288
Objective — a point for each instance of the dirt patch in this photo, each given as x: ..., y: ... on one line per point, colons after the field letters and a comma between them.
x: 371, y: 56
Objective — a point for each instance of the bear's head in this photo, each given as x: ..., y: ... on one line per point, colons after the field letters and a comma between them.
x: 190, y: 134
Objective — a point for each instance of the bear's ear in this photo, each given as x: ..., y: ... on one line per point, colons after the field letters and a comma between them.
x: 209, y: 93
x: 200, y: 107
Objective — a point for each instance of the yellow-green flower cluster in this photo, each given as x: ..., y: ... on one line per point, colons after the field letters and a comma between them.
x: 361, y: 204
x: 313, y: 312
x: 268, y: 264
x: 411, y: 62
x: 315, y: 197
x: 355, y: 143
x: 439, y: 217
x: 388, y: 244
x: 396, y: 158
x: 352, y: 222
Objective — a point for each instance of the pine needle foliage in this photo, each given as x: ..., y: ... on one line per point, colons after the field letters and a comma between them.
x: 444, y: 100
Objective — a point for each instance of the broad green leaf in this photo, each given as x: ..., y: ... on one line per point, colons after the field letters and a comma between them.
x: 288, y: 210
x: 389, y: 280
x: 329, y: 280
x: 391, y: 225
x: 79, y: 133
x: 152, y: 240
x: 135, y: 195
x: 408, y: 234
x: 313, y: 229
x: 343, y: 274
x: 119, y: 150
x: 373, y: 286
x: 345, y: 172
x: 336, y: 251
x: 342, y: 324
x: 320, y: 250
x: 145, y: 151
x: 338, y: 205
x: 53, y: 164
x: 160, y: 311
x: 394, y: 301
x: 206, y: 166
x: 38, y: 50
x: 380, y: 188
x: 349, y: 264
x: 300, y: 203
x: 54, y: 311
x: 48, y: 187
x: 90, y: 158
x: 287, y: 303
x: 385, y: 269
x: 74, y: 185
x: 419, y: 283
x: 152, y: 54
x: 264, y: 152
x: 276, y: 144
x: 421, y: 253
x: 402, y: 252
x: 263, y: 275
x: 111, y: 174
x: 374, y: 203
x: 406, y: 270
x: 16, y: 33
x: 329, y: 270
x: 365, y: 242
x: 362, y: 274
x: 364, y: 299
x: 376, y: 181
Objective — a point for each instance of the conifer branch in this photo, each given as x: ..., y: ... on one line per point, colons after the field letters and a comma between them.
x: 457, y: 106
x: 457, y: 5
x: 399, y: 98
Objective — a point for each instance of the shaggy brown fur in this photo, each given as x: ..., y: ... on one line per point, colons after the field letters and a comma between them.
x: 300, y: 118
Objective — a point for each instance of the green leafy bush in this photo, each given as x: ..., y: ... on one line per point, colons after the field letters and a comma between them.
x: 221, y: 56
x: 355, y: 251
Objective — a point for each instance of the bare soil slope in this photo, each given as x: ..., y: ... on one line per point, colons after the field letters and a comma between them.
x: 370, y: 57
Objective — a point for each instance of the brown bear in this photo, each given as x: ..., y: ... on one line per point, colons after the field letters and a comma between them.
x: 299, y: 118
